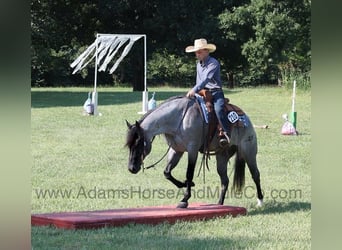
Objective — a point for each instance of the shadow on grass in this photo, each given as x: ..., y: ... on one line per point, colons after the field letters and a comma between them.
x: 46, y: 99
x: 281, y: 207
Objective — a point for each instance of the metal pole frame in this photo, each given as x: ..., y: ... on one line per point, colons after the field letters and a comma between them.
x: 145, y: 93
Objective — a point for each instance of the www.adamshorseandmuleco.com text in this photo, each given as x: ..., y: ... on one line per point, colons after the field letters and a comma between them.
x: 138, y: 192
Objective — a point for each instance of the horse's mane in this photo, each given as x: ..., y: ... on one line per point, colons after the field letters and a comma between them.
x: 131, y: 136
x: 160, y: 105
x: 133, y: 131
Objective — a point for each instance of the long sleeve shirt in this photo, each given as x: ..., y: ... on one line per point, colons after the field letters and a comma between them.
x: 208, y: 75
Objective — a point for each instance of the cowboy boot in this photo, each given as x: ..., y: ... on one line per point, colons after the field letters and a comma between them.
x: 224, y: 139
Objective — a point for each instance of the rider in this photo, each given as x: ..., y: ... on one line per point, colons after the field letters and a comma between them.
x: 208, y: 77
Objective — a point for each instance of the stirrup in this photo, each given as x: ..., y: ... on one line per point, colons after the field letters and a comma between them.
x: 224, y: 139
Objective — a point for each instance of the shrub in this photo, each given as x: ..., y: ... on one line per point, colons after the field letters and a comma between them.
x: 166, y: 67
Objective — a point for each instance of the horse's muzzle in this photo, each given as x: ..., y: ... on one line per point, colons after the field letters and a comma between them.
x: 134, y: 170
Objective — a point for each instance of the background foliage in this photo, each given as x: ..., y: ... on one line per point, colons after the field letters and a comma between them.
x: 258, y: 41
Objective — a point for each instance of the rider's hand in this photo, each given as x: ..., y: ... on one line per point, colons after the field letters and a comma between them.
x: 191, y: 93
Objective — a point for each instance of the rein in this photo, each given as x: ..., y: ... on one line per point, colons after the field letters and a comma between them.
x: 154, y: 164
x: 206, y: 153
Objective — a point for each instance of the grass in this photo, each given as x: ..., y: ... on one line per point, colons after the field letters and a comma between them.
x: 80, y: 163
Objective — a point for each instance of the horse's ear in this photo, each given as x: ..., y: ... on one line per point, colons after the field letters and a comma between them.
x: 128, y: 124
x: 137, y: 124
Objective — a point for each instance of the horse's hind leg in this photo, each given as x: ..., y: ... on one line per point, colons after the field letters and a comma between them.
x: 253, y: 169
x: 222, y: 171
x: 222, y: 164
x: 173, y: 158
x: 249, y: 152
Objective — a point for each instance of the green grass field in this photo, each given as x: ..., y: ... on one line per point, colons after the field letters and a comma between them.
x: 80, y: 163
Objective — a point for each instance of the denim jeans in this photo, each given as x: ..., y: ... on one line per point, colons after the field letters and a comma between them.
x: 218, y: 100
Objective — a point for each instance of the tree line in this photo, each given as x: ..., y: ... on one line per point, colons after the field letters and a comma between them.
x: 258, y: 41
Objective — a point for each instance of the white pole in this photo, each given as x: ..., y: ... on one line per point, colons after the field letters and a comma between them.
x: 145, y: 92
x: 293, y: 117
x: 145, y: 66
x: 94, y: 94
x: 96, y: 58
x: 293, y: 96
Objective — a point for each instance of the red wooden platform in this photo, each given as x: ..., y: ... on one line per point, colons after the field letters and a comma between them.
x: 142, y: 215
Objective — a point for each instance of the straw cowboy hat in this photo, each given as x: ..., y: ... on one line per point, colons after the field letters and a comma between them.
x: 201, y: 44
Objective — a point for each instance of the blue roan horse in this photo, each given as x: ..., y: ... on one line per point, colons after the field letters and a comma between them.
x: 180, y: 120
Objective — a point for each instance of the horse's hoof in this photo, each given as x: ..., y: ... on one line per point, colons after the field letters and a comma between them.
x: 182, y: 204
x: 259, y: 203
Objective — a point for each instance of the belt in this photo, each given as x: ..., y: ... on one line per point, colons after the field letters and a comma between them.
x: 214, y: 90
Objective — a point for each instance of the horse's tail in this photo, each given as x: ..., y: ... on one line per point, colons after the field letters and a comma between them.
x: 239, y: 173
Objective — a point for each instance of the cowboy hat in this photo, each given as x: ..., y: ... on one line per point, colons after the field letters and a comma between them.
x: 201, y: 44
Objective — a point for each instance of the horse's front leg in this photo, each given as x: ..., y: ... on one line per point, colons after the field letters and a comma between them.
x: 173, y: 158
x: 192, y: 158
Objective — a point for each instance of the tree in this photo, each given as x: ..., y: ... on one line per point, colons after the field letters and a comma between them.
x: 272, y: 35
x: 59, y: 29
x: 258, y: 40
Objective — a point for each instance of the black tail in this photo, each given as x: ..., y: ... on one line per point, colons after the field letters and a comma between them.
x: 239, y: 173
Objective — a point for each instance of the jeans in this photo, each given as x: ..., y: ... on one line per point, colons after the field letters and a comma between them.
x: 218, y: 100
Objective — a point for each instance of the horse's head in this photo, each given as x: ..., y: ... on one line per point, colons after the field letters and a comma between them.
x: 138, y: 146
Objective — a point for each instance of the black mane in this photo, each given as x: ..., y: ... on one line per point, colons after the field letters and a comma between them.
x: 132, y: 135
x: 164, y: 102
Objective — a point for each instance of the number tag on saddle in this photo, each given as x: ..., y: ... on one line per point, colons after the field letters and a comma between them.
x: 233, y: 117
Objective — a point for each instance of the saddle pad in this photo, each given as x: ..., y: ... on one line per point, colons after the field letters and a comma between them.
x: 244, y: 121
x: 203, y: 107
x: 235, y: 115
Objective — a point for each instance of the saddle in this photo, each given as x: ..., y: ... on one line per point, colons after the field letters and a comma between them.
x: 234, y: 113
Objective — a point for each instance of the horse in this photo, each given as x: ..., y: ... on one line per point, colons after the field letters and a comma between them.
x: 180, y: 120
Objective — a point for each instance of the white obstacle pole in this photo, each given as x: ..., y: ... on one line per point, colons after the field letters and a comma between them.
x: 94, y: 97
x: 293, y: 116
x: 145, y: 92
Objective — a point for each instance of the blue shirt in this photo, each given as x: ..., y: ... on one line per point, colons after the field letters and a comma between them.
x: 208, y: 75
